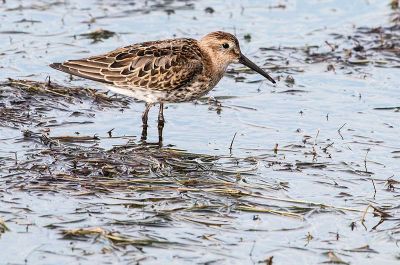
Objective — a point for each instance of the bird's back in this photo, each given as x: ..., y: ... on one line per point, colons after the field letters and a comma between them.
x: 156, y: 65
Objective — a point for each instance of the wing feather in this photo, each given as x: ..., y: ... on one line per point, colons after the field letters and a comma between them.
x: 161, y: 65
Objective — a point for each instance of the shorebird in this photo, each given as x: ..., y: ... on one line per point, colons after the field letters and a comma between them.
x: 166, y: 71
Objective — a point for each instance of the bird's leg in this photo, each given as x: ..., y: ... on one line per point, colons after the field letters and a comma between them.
x: 143, y: 138
x: 161, y: 122
x: 160, y: 136
x: 161, y: 115
x: 145, y: 117
x: 145, y: 114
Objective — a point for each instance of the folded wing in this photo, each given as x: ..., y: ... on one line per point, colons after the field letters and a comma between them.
x: 162, y: 65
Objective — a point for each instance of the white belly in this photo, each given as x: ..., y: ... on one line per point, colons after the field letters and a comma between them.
x: 139, y: 93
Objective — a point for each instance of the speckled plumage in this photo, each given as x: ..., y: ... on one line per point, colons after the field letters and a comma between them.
x: 163, y: 67
x: 173, y: 70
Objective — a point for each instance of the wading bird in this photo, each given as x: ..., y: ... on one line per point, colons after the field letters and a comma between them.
x: 173, y: 70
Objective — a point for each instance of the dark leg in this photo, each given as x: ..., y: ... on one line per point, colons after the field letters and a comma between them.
x: 161, y: 122
x: 145, y: 114
x: 145, y: 117
x: 161, y: 114
x: 144, y: 133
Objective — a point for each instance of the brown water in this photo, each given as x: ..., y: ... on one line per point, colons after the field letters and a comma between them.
x: 308, y: 159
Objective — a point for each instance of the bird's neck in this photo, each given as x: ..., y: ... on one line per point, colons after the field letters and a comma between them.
x: 214, y: 66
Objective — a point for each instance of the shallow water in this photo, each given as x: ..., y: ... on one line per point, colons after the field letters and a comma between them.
x: 332, y: 139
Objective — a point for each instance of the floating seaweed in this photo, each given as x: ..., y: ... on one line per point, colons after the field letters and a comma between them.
x: 98, y: 35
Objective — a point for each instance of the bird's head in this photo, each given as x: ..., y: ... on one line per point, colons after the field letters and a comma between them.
x: 224, y: 49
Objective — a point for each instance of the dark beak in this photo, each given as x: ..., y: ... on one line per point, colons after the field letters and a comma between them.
x: 244, y: 60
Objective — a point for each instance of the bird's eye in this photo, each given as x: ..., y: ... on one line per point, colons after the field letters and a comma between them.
x: 225, y: 45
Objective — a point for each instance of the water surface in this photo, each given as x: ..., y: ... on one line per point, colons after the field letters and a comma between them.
x: 323, y: 148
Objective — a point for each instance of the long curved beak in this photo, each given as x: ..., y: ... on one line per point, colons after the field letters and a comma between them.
x: 244, y: 60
